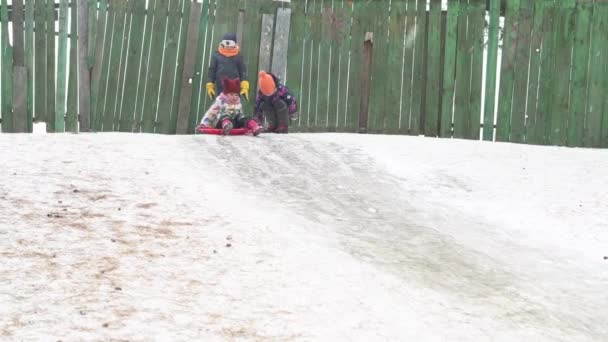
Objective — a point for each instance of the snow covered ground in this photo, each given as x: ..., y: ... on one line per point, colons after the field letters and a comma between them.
x: 302, y: 237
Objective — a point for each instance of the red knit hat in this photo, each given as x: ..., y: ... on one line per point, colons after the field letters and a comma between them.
x: 231, y: 86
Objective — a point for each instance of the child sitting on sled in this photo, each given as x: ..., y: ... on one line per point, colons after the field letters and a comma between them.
x: 226, y: 112
x: 275, y: 103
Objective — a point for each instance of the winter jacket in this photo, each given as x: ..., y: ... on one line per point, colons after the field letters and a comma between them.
x: 282, y: 93
x: 221, y: 109
x: 230, y: 67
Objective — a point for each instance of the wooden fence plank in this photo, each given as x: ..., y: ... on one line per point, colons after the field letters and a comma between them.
x: 557, y: 126
x: 535, y: 60
x: 547, y: 75
x: 433, y: 70
x: 29, y: 61
x: 266, y: 42
x: 449, y: 70
x: 476, y: 38
x: 17, y: 19
x: 462, y: 105
x: 106, y: 68
x: 40, y: 65
x: 211, y: 46
x: 181, y: 56
x: 91, y: 30
x: 62, y: 61
x: 378, y: 24
x: 133, y: 74
x: 281, y: 43
x: 188, y: 72
x: 408, y: 68
x: 307, y: 65
x: 520, y: 79
x: 603, y: 9
x: 295, y: 60
x: 598, y: 58
x: 580, y: 76
x: 71, y: 119
x: 50, y: 61
x: 144, y: 65
x: 394, y: 78
x: 318, y: 78
x: 165, y: 115
x: 507, y: 73
x: 84, y: 89
x: 115, y: 67
x: 154, y: 68
x: 19, y: 99
x: 198, y: 91
x: 491, y: 72
x: 418, y: 90
x: 6, y: 83
x: 97, y: 72
x: 343, y: 19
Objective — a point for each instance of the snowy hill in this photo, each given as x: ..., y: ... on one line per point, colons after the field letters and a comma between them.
x: 301, y: 237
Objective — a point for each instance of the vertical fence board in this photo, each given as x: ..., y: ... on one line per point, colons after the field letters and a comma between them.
x: 106, y: 68
x: 62, y: 61
x: 535, y: 60
x: 507, y: 74
x: 380, y: 67
x: 408, y: 67
x: 198, y: 91
x: 40, y: 66
x: 343, y: 15
x: 71, y: 120
x: 491, y: 72
x: 418, y: 91
x: 96, y: 75
x: 394, y: 77
x: 314, y: 15
x: 188, y: 72
x: 295, y: 52
x: 462, y: 105
x: 19, y: 99
x: 476, y: 41
x: 84, y: 72
x: 547, y: 75
x: 449, y: 72
x: 211, y: 46
x: 599, y: 40
x: 433, y: 70
x: 154, y: 68
x: 580, y: 64
x: 29, y: 61
x: 167, y: 81
x: 6, y: 88
x: 184, y: 11
x: 50, y: 62
x: 92, y: 31
x: 323, y: 87
x: 520, y: 79
x: 115, y: 67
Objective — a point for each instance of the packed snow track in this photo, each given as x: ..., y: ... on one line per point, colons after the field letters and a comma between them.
x: 300, y: 237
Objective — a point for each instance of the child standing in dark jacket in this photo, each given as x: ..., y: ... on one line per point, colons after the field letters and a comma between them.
x: 275, y: 103
x: 227, y: 62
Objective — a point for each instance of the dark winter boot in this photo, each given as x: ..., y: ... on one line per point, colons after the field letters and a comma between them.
x: 253, y: 126
x: 227, y: 126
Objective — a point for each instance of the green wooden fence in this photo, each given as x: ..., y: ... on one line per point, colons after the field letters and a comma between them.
x: 429, y: 65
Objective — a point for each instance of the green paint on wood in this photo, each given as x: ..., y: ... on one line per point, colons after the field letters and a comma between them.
x: 92, y: 31
x: 462, y: 104
x: 507, y: 74
x: 325, y: 88
x: 166, y: 117
x: 433, y: 70
x: 62, y: 63
x: 50, y: 62
x: 29, y: 61
x: 115, y: 66
x: 490, y: 99
x: 71, y: 122
x: 419, y: 76
x: 580, y: 77
x: 314, y: 15
x: 295, y: 52
x: 211, y: 46
x: 520, y: 79
x: 449, y: 71
x: 535, y: 60
x: 378, y: 94
x: 343, y: 18
x: 40, y: 66
x: 547, y: 75
x: 144, y: 66
x: 7, y: 72
x: 408, y: 65
x: 198, y: 90
x: 597, y: 90
x: 105, y: 68
x: 476, y: 38
x: 184, y: 10
x: 395, y: 48
x: 102, y: 19
x: 154, y: 67
x: 132, y: 63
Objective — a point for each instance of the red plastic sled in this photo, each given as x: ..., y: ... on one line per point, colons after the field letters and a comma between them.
x: 219, y: 131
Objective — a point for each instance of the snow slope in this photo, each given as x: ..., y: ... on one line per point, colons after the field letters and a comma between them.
x: 302, y: 237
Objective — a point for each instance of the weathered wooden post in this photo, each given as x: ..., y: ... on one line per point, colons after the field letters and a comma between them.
x: 488, y: 116
x: 366, y: 75
x: 84, y: 94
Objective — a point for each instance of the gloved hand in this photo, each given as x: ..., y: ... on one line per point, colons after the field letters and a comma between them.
x: 211, y: 90
x: 245, y: 89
